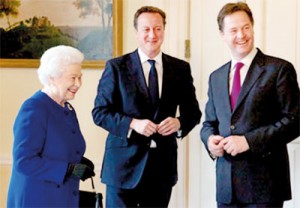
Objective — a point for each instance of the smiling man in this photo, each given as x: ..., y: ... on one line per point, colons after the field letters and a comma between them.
x: 251, y: 115
x: 140, y: 159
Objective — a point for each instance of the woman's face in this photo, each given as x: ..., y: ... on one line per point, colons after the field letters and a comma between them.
x: 66, y: 86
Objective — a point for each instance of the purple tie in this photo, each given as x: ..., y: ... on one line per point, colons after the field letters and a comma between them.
x: 236, y: 85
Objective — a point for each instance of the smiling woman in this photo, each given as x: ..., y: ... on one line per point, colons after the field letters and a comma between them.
x: 48, y: 145
x: 33, y: 26
x: 60, y: 73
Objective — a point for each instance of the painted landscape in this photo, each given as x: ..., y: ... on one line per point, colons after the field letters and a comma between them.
x: 29, y: 38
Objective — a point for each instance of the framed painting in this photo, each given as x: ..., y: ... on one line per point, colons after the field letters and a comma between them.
x: 29, y: 27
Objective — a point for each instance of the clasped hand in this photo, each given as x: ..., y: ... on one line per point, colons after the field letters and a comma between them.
x: 232, y: 145
x: 147, y: 127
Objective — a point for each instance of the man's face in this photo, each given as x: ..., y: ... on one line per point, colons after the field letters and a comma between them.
x: 238, y: 34
x: 150, y: 33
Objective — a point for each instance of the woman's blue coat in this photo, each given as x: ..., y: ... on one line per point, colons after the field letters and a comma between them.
x: 47, y: 137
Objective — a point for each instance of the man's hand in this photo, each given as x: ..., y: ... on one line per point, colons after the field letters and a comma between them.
x: 143, y: 126
x: 235, y: 144
x: 215, y: 146
x: 168, y: 126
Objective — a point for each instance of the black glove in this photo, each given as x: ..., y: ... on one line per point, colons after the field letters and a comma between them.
x: 81, y: 171
x: 87, y: 162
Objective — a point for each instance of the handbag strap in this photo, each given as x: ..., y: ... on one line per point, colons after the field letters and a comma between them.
x: 93, y: 186
x: 98, y: 196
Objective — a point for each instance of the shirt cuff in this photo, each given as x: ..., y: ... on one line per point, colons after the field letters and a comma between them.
x: 179, y: 133
x: 129, y: 133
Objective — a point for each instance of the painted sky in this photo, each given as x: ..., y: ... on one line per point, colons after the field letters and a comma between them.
x: 59, y: 12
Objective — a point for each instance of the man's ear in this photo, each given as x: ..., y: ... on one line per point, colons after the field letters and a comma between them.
x: 221, y: 34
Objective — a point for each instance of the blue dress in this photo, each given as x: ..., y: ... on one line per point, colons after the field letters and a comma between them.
x: 47, y: 137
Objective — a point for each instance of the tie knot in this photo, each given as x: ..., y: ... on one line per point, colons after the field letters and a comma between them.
x: 239, y: 65
x: 152, y: 62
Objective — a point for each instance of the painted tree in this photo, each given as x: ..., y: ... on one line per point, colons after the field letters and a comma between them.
x: 102, y: 8
x: 9, y: 8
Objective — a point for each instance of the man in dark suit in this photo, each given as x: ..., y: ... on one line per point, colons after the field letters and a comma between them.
x: 140, y: 159
x: 249, y: 138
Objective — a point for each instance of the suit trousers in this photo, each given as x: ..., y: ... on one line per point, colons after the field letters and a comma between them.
x: 152, y: 190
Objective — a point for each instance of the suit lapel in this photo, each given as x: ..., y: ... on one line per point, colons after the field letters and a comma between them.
x: 254, y: 72
x: 167, y: 74
x: 137, y: 75
x: 224, y: 94
x: 167, y: 78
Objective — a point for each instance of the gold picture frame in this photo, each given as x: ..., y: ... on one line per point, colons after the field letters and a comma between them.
x: 88, y: 63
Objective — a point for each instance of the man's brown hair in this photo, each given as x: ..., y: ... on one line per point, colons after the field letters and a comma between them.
x: 231, y: 8
x: 148, y: 9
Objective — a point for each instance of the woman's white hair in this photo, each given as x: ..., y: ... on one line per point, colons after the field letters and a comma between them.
x: 55, y: 60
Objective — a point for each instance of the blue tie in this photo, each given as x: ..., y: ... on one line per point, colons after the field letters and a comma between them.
x: 153, y: 84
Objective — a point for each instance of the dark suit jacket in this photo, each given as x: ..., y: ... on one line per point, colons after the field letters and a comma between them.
x: 267, y: 114
x: 123, y: 95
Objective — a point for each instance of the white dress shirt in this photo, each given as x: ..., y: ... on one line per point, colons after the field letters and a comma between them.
x: 146, y: 67
x: 243, y: 72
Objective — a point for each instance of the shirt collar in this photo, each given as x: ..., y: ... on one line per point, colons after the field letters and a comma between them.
x: 144, y: 58
x: 247, y: 60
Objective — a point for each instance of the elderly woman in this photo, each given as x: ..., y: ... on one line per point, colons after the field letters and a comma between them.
x: 48, y: 145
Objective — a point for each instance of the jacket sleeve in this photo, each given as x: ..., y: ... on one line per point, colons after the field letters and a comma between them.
x: 286, y: 127
x: 210, y: 124
x: 189, y: 110
x: 29, y: 139
x: 106, y: 112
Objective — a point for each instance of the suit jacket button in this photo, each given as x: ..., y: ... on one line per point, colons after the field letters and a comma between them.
x: 232, y: 127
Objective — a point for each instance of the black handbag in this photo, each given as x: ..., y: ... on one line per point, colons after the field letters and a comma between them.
x: 90, y: 199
